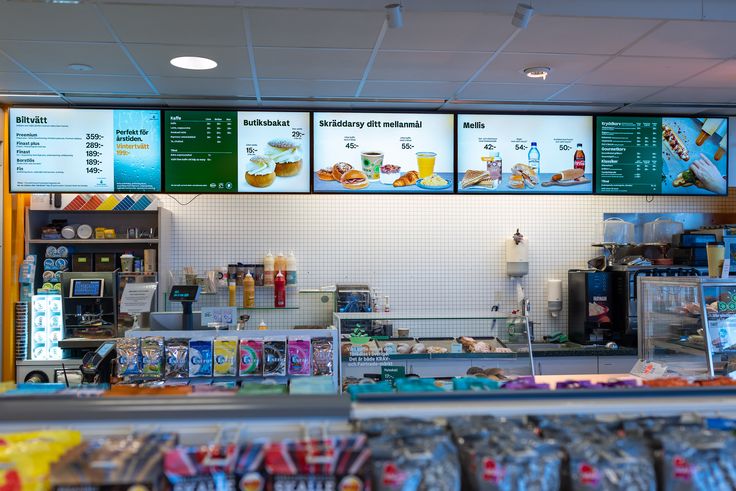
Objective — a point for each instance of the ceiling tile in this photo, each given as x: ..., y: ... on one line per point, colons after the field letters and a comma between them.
x: 688, y: 39
x: 202, y: 26
x: 426, y: 65
x: 508, y: 67
x: 603, y: 93
x: 47, y: 57
x: 529, y: 108
x: 45, y: 101
x: 194, y: 86
x: 311, y: 64
x: 225, y: 103
x: 309, y: 104
x: 154, y: 59
x: 722, y: 75
x: 663, y: 109
x: 449, y: 31
x: 693, y: 95
x: 307, y: 88
x: 404, y: 106
x: 97, y: 84
x: 315, y: 28
x: 20, y: 81
x: 44, y: 22
x: 6, y: 65
x: 634, y: 70
x: 509, y: 92
x: 414, y: 89
x: 117, y: 101
x: 585, y: 35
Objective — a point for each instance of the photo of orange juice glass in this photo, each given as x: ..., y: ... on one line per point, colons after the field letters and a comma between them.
x: 425, y: 162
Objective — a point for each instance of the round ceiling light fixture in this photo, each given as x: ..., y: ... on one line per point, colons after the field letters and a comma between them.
x: 193, y: 63
x: 537, y: 72
x: 80, y: 67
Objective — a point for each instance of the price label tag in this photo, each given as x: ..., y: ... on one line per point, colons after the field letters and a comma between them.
x: 456, y: 348
x: 648, y: 370
x: 391, y: 373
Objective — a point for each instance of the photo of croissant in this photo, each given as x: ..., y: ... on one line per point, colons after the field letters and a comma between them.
x: 408, y: 179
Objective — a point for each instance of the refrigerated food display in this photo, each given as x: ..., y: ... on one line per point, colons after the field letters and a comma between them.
x: 688, y: 324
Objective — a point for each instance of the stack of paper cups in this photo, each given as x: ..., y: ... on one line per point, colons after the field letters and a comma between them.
x: 149, y: 261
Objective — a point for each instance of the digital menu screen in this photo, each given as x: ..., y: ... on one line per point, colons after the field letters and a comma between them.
x: 661, y: 155
x: 524, y: 154
x: 85, y: 150
x: 236, y: 152
x: 383, y: 153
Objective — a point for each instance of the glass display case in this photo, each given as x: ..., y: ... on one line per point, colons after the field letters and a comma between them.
x: 688, y: 324
x: 432, y: 345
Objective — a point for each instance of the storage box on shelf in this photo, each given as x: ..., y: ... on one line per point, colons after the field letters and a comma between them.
x: 688, y: 324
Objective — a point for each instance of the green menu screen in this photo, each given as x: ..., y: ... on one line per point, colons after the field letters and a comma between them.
x: 661, y: 155
x: 201, y: 152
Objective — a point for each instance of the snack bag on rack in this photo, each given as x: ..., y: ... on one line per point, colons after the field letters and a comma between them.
x: 200, y: 358
x: 249, y: 473
x: 152, y: 357
x: 128, y: 356
x: 225, y: 357
x: 177, y: 358
x: 25, y: 458
x: 251, y: 357
x: 339, y: 463
x: 322, y: 356
x: 205, y: 467
x: 274, y: 356
x: 299, y: 356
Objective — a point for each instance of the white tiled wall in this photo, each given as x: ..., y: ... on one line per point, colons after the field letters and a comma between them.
x: 428, y: 253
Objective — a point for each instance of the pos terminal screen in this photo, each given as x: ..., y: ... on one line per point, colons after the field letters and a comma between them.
x: 184, y: 293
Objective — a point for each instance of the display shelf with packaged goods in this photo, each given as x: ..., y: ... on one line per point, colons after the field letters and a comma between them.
x: 442, y: 344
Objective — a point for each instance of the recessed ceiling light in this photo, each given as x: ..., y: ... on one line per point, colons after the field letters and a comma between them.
x: 193, y: 63
x: 79, y: 67
x: 537, y: 72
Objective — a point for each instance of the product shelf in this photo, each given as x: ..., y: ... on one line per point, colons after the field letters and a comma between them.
x: 92, y: 241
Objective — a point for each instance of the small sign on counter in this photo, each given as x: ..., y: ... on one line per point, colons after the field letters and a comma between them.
x: 390, y: 373
x: 648, y: 370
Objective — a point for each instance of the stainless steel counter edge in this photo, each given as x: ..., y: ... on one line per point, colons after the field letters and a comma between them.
x: 227, y: 408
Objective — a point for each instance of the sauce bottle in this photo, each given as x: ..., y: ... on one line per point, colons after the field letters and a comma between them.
x: 579, y: 158
x: 291, y: 269
x: 279, y: 291
x: 280, y: 264
x: 231, y: 293
x: 249, y: 291
x: 268, y: 266
x: 262, y: 326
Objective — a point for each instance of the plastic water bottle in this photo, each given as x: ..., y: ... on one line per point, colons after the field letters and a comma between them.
x: 534, y: 158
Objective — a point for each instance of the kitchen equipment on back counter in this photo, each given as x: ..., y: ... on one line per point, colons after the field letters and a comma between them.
x: 591, y: 315
x: 659, y: 234
x: 358, y: 298
x: 617, y: 231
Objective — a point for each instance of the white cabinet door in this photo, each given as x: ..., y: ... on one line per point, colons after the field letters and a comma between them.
x: 566, y: 365
x: 615, y: 364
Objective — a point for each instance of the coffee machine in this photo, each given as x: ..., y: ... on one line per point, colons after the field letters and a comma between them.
x: 592, y: 318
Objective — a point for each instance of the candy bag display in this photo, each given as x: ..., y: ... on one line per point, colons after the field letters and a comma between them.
x: 211, y: 467
x: 128, y: 356
x: 200, y: 358
x: 318, y: 464
x: 225, y: 358
x: 322, y: 356
x: 300, y: 359
x: 274, y: 356
x: 697, y: 459
x: 152, y: 357
x: 249, y: 471
x: 251, y: 357
x: 177, y: 358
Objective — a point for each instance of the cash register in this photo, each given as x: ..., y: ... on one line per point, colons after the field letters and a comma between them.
x: 186, y: 295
